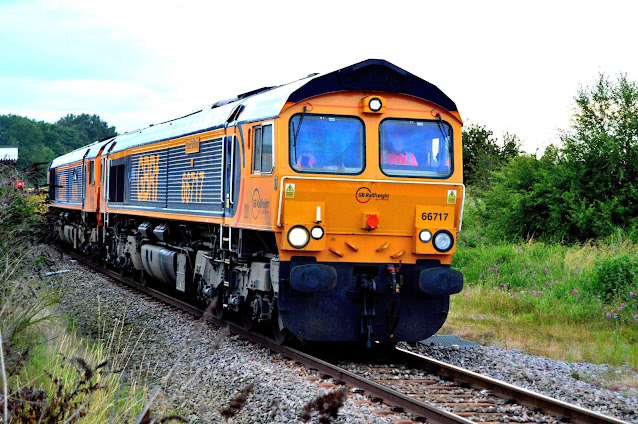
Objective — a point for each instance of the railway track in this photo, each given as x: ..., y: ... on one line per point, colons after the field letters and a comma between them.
x: 430, y: 390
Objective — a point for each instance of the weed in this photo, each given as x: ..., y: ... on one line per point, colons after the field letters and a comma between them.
x: 237, y: 402
x: 326, y: 406
x: 614, y: 276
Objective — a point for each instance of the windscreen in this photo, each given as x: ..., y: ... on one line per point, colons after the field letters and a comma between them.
x: 326, y: 144
x: 415, y: 148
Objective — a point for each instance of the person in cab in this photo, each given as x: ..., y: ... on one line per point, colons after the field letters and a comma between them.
x: 395, y: 154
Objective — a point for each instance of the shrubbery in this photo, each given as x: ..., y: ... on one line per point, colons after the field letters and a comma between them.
x: 614, y: 277
x: 583, y: 190
x: 43, y: 376
x: 20, y: 216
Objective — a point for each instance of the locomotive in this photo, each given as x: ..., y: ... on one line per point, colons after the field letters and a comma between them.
x: 327, y: 208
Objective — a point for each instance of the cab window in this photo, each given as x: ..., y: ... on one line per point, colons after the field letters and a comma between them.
x: 263, y: 149
x: 415, y: 148
x: 326, y: 144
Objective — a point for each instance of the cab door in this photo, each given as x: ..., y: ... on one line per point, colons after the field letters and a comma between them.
x: 261, y: 187
x: 232, y: 175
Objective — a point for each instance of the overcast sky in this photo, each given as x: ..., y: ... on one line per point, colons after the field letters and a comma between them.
x: 511, y: 66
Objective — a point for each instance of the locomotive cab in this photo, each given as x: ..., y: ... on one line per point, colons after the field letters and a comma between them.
x: 370, y: 207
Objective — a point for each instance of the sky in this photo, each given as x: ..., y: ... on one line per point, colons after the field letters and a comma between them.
x: 510, y: 66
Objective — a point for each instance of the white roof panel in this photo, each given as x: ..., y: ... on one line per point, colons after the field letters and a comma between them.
x: 370, y: 75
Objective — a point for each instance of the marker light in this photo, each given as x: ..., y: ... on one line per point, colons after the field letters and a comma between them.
x: 425, y: 236
x: 20, y: 184
x: 298, y: 236
x: 375, y: 104
x: 316, y: 232
x: 443, y: 240
x: 372, y: 221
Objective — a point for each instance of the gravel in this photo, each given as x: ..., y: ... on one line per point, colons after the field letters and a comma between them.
x: 195, y: 369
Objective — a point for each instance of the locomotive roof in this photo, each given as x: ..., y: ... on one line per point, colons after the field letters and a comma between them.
x: 267, y: 103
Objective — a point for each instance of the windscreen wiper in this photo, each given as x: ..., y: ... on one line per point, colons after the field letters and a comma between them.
x: 439, y: 124
x: 294, y: 140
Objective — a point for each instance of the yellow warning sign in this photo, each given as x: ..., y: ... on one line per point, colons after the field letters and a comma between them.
x: 290, y: 190
x: 451, y: 197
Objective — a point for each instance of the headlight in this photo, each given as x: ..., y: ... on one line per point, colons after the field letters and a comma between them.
x: 375, y: 104
x: 316, y: 232
x: 443, y: 240
x: 298, y: 236
x: 425, y: 236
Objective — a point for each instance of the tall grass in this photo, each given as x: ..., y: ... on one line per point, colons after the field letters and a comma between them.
x: 76, y: 381
x: 49, y: 375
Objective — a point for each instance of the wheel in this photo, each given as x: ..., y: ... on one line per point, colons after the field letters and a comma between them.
x: 281, y: 335
x: 144, y: 278
x: 218, y: 299
x: 247, y: 316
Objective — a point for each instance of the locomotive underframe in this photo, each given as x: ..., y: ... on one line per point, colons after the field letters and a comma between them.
x: 239, y: 270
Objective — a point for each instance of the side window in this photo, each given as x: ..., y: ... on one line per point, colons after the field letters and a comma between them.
x: 266, y: 149
x: 52, y: 184
x: 263, y: 149
x: 116, y: 183
x: 257, y: 150
x: 92, y: 172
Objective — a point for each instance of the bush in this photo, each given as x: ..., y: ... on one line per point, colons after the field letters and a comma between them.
x: 527, y: 200
x: 614, y: 277
x: 584, y: 190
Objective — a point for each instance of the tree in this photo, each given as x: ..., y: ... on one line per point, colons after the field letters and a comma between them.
x: 511, y: 147
x: 482, y: 154
x: 41, y: 142
x: 583, y: 190
x: 601, y: 152
x: 89, y: 128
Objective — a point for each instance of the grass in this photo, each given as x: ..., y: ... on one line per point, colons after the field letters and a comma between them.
x: 568, y: 302
x: 49, y: 374
x: 59, y: 367
x: 52, y: 375
x: 491, y: 317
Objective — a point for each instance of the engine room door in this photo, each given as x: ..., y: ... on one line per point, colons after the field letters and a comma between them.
x: 232, y: 175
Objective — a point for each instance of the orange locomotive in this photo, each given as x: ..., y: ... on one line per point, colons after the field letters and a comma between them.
x: 328, y: 207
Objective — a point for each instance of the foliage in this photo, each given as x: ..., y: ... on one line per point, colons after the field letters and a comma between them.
x: 551, y: 299
x: 34, y: 405
x: 615, y: 276
x: 41, y: 142
x: 67, y: 379
x: 20, y: 215
x: 529, y: 198
x: 325, y: 407
x: 88, y: 127
x: 482, y: 155
x: 601, y: 156
x: 582, y: 191
x: 21, y: 305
